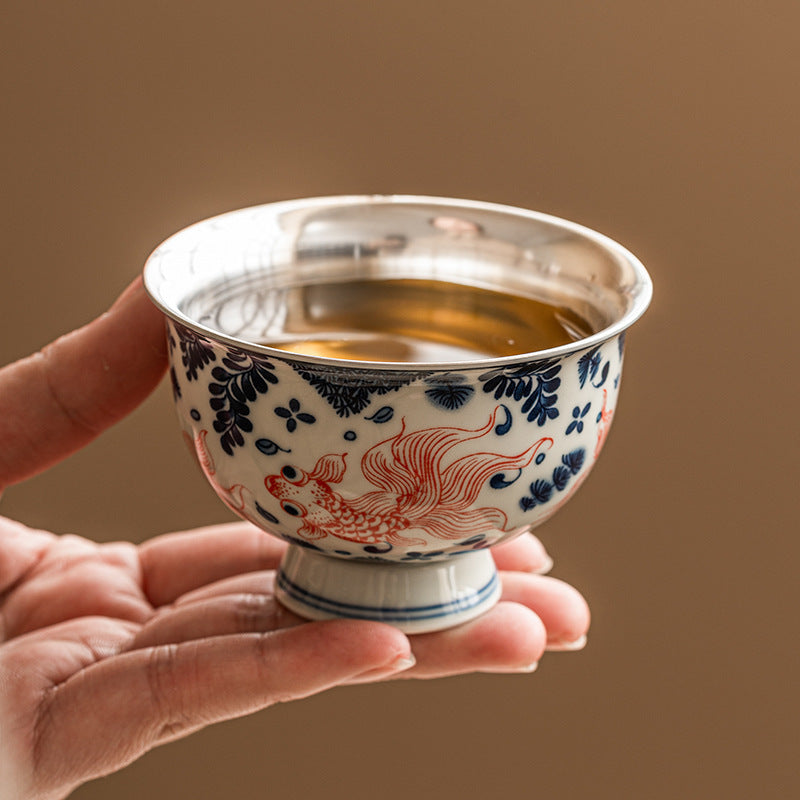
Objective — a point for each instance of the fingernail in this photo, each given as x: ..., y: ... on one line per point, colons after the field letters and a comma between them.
x: 567, y: 644
x: 529, y: 667
x: 545, y: 567
x: 400, y: 664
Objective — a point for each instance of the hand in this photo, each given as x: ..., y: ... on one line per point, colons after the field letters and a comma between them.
x: 109, y: 650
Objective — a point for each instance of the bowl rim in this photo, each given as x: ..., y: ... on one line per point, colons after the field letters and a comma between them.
x: 640, y: 291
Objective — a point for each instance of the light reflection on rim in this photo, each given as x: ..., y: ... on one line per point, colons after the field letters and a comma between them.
x: 639, y: 293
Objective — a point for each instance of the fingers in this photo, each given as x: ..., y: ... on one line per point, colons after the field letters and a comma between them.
x: 250, y: 583
x: 508, y: 638
x: 157, y: 694
x: 61, y: 398
x: 246, y: 603
x: 20, y: 550
x: 38, y: 660
x: 556, y: 608
x: 524, y: 553
x: 177, y: 563
x: 562, y: 609
x: 535, y: 614
x: 216, y: 616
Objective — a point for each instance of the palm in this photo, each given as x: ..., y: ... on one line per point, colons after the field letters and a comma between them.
x: 64, y: 578
x: 69, y: 604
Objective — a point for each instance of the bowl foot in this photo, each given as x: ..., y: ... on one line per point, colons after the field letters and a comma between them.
x: 416, y: 598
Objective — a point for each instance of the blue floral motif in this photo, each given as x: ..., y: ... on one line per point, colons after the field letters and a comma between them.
x: 306, y: 545
x: 293, y: 414
x: 238, y: 382
x: 196, y: 351
x: 350, y: 393
x: 573, y: 461
x: 176, y: 387
x: 378, y: 549
x: 427, y: 555
x: 541, y: 490
x: 561, y: 476
x: 577, y: 418
x: 534, y: 383
x: 477, y: 542
x: 449, y: 391
x: 589, y: 365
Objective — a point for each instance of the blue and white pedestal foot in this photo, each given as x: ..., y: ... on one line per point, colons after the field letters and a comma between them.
x: 416, y: 598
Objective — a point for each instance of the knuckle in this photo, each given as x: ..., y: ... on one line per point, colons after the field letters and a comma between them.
x: 255, y: 613
x: 121, y: 554
x: 48, y: 360
x: 166, y: 692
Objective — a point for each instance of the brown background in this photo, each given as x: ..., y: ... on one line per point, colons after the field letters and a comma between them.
x: 672, y: 127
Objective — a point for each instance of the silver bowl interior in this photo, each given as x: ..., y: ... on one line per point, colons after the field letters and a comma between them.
x: 233, y: 277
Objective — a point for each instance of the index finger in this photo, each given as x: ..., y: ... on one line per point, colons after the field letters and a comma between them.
x: 56, y: 401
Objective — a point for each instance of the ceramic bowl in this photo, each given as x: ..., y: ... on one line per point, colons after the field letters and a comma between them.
x: 390, y: 480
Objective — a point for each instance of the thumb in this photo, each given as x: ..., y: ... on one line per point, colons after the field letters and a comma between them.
x: 151, y: 696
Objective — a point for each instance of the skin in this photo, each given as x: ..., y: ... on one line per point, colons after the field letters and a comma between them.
x: 156, y: 641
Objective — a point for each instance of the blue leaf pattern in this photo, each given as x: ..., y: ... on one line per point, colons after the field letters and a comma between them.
x: 573, y: 461
x: 382, y: 415
x: 238, y: 382
x: 269, y: 448
x: 266, y: 514
x: 196, y: 351
x: 541, y: 491
x: 535, y: 382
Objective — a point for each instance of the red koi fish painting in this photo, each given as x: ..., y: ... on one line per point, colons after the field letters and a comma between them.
x: 424, y: 488
x: 236, y: 497
x: 604, y: 423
